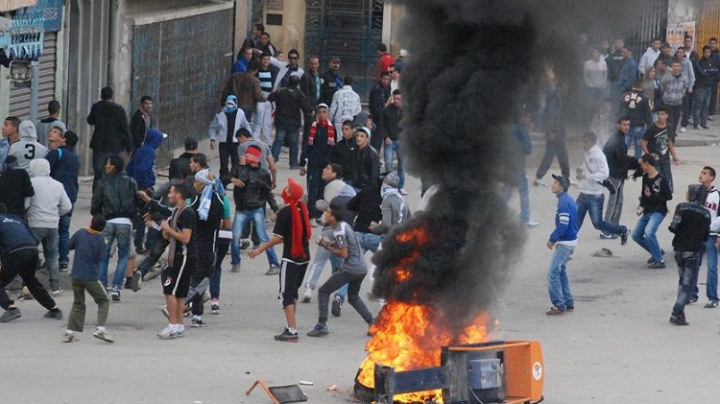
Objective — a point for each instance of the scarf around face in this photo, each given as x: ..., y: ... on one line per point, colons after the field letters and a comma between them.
x: 298, y: 223
x: 386, y: 191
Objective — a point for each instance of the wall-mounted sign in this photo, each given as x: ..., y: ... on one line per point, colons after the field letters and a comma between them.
x: 274, y: 4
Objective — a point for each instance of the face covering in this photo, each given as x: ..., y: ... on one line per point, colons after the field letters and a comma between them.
x: 230, y: 109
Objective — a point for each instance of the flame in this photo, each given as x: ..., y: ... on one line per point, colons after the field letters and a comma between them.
x: 408, y: 336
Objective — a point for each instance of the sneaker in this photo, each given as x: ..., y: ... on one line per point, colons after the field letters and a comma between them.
x: 26, y: 295
x: 624, y: 237
x: 103, y: 335
x: 657, y: 265
x: 69, y: 337
x: 554, y: 311
x: 10, y: 314
x: 180, y: 334
x: 287, y: 336
x: 531, y: 224
x: 245, y: 244
x: 539, y: 183
x: 403, y: 192
x: 651, y: 260
x: 336, y: 306
x: 197, y: 323
x: 683, y: 129
x: 711, y: 305
x: 320, y: 330
x: 63, y: 266
x: 235, y: 268
x: 570, y: 309
x: 693, y: 300
x: 606, y: 236
x: 165, y: 312
x: 136, y: 282
x: 274, y: 270
x: 696, y: 127
x: 167, y: 333
x: 215, y: 308
x: 307, y: 296
x: 678, y: 319
x: 115, y: 295
x: 187, y: 311
x: 706, y: 127
x: 55, y: 314
x: 56, y: 292
x: 710, y: 118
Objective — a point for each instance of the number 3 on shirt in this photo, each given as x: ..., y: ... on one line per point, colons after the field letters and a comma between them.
x: 29, y: 151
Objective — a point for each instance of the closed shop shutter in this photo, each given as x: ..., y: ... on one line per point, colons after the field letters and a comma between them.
x: 20, y: 96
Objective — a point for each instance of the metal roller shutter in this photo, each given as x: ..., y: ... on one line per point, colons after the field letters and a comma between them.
x: 20, y: 96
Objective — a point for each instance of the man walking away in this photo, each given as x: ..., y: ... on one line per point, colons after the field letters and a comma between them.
x: 555, y: 135
x: 691, y: 224
x: 112, y: 132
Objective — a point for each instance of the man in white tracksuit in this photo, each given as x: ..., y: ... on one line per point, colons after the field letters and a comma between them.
x: 44, y: 213
x: 223, y: 128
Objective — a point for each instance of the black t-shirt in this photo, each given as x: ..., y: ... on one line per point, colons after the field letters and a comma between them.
x: 283, y: 228
x: 659, y: 194
x: 657, y: 141
x: 186, y: 220
x: 205, y: 229
x: 230, y: 126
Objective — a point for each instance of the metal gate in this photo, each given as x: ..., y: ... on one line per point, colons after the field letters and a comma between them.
x: 20, y: 96
x: 182, y: 64
x: 651, y: 24
x: 350, y: 29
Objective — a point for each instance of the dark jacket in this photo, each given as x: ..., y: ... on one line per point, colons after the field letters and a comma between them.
x: 246, y: 87
x: 257, y: 189
x: 390, y: 122
x: 636, y: 105
x: 15, y: 186
x: 180, y: 166
x: 706, y: 72
x: 316, y: 155
x: 308, y: 86
x: 139, y: 125
x: 290, y: 101
x: 331, y: 82
x: 367, y: 205
x: 367, y: 169
x: 691, y: 225
x: 614, y: 64
x: 378, y: 97
x: 659, y: 195
x: 205, y: 229
x: 554, y: 119
x: 344, y: 154
x: 90, y: 251
x: 15, y: 234
x: 65, y: 168
x: 142, y: 165
x: 112, y: 131
x: 115, y: 197
x: 618, y: 160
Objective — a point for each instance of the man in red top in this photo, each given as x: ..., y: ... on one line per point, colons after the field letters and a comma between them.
x: 384, y: 60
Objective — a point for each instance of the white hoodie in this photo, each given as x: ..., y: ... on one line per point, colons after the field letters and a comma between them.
x: 648, y: 59
x: 712, y: 204
x: 27, y: 148
x: 50, y: 200
x: 595, y: 169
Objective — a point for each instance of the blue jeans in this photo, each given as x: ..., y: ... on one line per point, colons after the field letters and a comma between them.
x: 49, y: 238
x: 292, y: 136
x: 558, y: 285
x: 593, y: 204
x: 388, y: 150
x: 123, y: 234
x: 633, y: 137
x: 257, y: 216
x: 522, y: 187
x: 644, y: 234
x: 321, y: 257
x: 688, y: 267
x: 368, y: 241
x: 701, y: 104
x: 711, y: 250
x: 64, y: 240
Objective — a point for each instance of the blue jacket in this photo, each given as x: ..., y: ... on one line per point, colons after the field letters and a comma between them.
x: 65, y: 168
x: 15, y: 235
x: 90, y: 251
x: 628, y: 74
x: 142, y: 165
x: 565, y: 220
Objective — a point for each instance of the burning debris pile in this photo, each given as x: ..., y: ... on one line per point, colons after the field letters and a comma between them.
x: 473, y: 67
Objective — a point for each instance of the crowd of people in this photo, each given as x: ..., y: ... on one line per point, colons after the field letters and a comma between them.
x: 653, y: 101
x: 190, y: 217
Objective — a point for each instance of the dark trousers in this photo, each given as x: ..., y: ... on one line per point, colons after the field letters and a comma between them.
x: 223, y: 244
x: 99, y: 158
x: 674, y: 118
x: 228, y: 150
x: 157, y: 248
x: 376, y: 141
x: 24, y: 264
x: 316, y: 188
x: 335, y: 282
x: 712, y: 109
x: 688, y: 268
x: 554, y: 147
x: 687, y: 105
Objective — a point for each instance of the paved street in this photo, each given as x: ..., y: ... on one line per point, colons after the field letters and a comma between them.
x: 616, y: 347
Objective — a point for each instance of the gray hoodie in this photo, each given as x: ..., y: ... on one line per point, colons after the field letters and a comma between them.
x: 51, y: 202
x: 27, y: 147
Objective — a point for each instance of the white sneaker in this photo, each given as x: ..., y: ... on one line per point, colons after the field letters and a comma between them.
x: 539, y: 183
x: 307, y: 296
x: 167, y: 333
x: 103, y: 335
x: 683, y: 129
x: 531, y: 224
x: 403, y: 192
x: 235, y: 268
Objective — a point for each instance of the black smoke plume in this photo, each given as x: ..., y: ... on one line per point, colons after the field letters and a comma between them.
x: 474, y: 64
